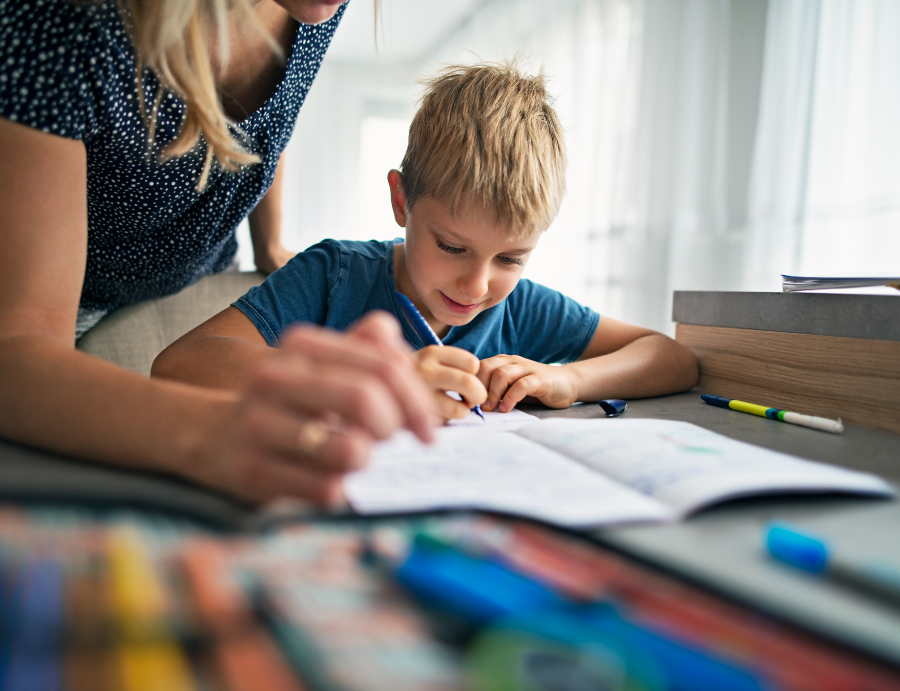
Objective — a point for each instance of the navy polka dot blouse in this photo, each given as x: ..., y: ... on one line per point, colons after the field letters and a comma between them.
x: 69, y: 69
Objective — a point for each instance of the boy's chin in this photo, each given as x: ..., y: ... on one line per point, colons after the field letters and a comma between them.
x: 452, y: 320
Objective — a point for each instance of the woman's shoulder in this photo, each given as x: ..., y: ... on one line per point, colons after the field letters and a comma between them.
x: 55, y: 58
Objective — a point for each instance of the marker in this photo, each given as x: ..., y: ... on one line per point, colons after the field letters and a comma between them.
x: 149, y: 657
x: 821, y: 423
x: 422, y: 329
x: 613, y: 407
x: 811, y: 554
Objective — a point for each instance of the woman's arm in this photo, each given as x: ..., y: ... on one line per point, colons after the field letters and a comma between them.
x: 265, y: 227
x: 252, y: 444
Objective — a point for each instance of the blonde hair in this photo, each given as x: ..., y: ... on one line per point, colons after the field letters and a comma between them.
x: 174, y: 39
x: 487, y: 135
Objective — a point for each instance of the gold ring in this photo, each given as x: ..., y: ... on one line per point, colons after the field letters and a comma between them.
x: 311, y: 437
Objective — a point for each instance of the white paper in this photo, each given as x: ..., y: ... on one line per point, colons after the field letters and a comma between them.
x: 688, y: 467
x: 495, y: 470
x: 510, y: 421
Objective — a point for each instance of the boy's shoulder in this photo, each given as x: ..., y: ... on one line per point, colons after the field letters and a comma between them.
x: 534, y: 305
x: 361, y: 249
x: 527, y: 291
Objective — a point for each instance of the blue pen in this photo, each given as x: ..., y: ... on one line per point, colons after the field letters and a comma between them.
x: 422, y: 329
x: 809, y: 553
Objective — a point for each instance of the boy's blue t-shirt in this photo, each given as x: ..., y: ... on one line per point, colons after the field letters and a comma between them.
x: 334, y: 283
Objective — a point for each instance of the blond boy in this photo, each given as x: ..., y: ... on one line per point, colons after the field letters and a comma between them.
x: 482, y: 179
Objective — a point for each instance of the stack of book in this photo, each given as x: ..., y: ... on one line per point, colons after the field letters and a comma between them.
x: 791, y: 284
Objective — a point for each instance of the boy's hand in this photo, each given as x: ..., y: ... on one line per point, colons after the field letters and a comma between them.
x: 510, y: 378
x: 445, y: 368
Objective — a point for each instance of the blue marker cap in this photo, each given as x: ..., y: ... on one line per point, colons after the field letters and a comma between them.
x: 613, y: 407
x: 796, y: 549
x: 718, y: 401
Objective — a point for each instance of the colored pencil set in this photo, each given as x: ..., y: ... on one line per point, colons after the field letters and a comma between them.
x: 460, y: 601
x: 100, y: 615
x: 122, y: 607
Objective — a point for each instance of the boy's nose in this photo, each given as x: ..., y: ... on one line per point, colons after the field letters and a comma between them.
x: 474, y: 284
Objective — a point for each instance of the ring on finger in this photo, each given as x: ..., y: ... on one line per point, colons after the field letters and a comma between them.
x: 312, y: 436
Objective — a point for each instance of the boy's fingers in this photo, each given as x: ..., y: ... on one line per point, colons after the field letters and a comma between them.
x: 466, y: 385
x: 449, y: 408
x: 501, y: 379
x: 443, y: 377
x: 457, y: 358
x: 488, y: 366
x: 519, y: 390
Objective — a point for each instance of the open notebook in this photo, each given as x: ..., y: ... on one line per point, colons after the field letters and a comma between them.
x: 585, y: 473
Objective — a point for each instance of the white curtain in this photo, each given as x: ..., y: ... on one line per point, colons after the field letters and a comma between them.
x: 713, y: 144
x: 826, y: 185
x: 658, y: 98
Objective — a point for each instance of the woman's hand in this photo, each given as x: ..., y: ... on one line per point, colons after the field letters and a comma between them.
x: 269, y: 254
x: 450, y: 369
x: 269, y: 259
x: 510, y: 378
x: 310, y: 412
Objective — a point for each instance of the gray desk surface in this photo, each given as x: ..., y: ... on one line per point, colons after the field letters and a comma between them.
x: 721, y: 546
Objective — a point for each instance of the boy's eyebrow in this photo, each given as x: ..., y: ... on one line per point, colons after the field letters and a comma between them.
x: 462, y: 241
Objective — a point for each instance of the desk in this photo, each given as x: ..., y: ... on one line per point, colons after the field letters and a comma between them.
x: 720, y: 547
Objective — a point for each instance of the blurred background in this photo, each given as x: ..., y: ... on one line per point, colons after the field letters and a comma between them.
x: 713, y: 144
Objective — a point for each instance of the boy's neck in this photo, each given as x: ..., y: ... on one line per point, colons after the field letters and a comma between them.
x: 403, y: 283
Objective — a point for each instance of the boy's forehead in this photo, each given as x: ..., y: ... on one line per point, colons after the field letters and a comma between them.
x: 474, y: 221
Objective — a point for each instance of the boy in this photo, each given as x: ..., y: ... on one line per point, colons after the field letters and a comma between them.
x: 482, y: 179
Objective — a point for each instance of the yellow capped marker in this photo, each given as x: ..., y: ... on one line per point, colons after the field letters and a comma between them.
x: 824, y: 424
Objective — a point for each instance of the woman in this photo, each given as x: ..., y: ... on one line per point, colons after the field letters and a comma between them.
x: 122, y: 179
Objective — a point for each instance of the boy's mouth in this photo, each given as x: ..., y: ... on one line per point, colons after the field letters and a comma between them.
x: 458, y: 308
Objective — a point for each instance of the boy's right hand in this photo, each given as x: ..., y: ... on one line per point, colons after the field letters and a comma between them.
x: 445, y: 368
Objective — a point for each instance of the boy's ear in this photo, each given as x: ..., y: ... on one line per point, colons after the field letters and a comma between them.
x: 398, y: 197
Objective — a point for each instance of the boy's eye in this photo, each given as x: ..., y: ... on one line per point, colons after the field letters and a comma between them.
x: 511, y: 261
x: 448, y: 248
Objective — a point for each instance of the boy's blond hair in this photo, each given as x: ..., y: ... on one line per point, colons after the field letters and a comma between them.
x: 486, y: 135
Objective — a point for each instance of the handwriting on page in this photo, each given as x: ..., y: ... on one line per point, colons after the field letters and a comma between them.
x: 686, y: 466
x: 467, y: 468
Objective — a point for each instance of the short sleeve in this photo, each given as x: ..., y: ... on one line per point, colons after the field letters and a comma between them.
x: 549, y: 326
x: 298, y: 292
x: 52, y: 58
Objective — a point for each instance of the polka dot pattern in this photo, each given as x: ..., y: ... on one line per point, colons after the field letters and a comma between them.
x: 69, y: 69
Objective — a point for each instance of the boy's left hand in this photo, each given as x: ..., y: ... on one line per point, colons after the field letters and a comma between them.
x: 511, y: 378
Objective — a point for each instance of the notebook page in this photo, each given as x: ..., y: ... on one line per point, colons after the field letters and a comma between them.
x: 688, y: 467
x: 495, y: 470
x: 510, y: 421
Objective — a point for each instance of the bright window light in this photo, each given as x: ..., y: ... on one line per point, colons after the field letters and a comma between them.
x: 381, y: 147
